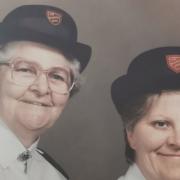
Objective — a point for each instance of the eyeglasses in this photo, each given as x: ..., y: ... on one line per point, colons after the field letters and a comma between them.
x: 25, y: 73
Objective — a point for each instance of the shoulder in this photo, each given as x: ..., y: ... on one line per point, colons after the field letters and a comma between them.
x: 48, y: 158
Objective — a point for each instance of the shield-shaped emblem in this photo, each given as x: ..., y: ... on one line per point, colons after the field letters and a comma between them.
x: 53, y: 17
x: 173, y: 62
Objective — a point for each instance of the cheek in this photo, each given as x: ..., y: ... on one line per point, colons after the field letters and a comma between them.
x: 60, y: 100
x: 11, y: 90
x: 9, y: 93
x: 148, y: 139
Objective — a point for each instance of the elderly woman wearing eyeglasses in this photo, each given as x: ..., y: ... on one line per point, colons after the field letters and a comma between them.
x: 148, y: 100
x: 40, y: 66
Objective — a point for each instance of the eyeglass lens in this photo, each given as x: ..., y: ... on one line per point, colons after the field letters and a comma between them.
x: 26, y: 73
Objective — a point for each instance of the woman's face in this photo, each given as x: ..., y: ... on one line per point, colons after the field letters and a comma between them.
x: 156, y: 139
x: 34, y: 108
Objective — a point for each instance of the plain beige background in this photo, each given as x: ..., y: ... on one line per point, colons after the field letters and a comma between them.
x: 88, y: 138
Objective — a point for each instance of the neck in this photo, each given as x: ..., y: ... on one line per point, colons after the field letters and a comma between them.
x: 27, y: 140
x: 26, y: 137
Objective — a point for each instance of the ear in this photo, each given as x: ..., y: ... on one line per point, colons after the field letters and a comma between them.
x: 131, y: 139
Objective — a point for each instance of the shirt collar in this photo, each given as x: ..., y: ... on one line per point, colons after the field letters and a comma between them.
x: 134, y: 173
x: 10, y: 145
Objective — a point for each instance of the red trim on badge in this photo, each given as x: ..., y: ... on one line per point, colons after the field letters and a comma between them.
x: 173, y: 62
x: 53, y: 17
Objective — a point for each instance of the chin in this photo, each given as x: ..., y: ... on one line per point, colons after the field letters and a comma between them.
x: 37, y: 119
x: 34, y: 123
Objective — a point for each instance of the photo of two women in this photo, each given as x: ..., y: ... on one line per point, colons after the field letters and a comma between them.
x: 89, y: 90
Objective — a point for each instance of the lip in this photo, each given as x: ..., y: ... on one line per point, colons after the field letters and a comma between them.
x: 37, y: 103
x: 169, y: 155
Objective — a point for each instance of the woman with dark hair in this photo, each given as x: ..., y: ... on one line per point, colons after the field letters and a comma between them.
x: 148, y: 100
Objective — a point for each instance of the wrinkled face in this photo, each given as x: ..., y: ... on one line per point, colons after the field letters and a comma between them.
x: 156, y: 139
x: 35, y: 107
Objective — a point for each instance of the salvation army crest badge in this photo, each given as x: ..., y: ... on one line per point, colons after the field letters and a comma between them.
x: 54, y: 17
x: 173, y: 62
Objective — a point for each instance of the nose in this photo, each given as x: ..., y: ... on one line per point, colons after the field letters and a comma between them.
x: 174, y: 138
x: 40, y: 86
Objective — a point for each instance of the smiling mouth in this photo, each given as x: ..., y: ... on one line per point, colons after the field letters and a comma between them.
x: 169, y: 155
x: 37, y: 103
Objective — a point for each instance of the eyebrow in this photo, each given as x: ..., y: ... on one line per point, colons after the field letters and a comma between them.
x: 31, y: 61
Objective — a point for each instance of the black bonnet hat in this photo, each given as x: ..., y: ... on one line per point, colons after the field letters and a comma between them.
x: 45, y: 24
x: 150, y: 72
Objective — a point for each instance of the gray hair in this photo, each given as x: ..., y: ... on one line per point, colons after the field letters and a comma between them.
x: 7, y: 51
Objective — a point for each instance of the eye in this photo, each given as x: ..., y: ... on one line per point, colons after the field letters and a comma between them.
x: 161, y: 124
x: 57, y: 77
x: 24, y: 68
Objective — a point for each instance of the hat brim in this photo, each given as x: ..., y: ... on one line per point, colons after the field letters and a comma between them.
x: 80, y: 51
x: 126, y: 88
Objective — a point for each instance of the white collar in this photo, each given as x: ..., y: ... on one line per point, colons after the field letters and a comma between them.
x: 10, y: 145
x: 134, y: 173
